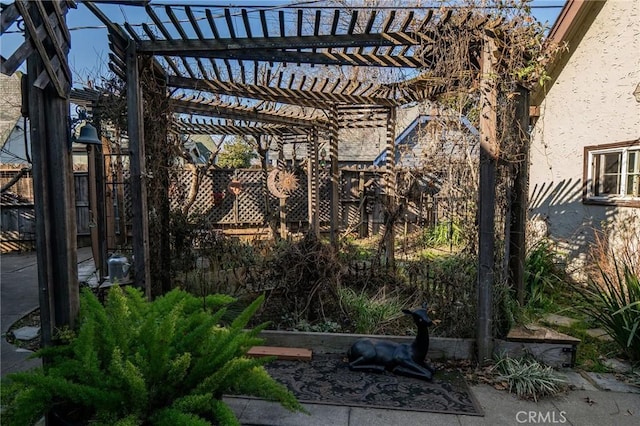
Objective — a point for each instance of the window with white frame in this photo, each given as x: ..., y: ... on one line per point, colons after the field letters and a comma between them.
x: 612, y: 173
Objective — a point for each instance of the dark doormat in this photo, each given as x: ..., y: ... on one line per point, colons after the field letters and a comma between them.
x: 327, y: 380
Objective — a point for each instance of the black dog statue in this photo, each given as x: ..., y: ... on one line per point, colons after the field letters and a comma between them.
x: 399, y: 358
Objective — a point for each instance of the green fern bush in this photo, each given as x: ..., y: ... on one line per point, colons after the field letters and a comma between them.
x: 134, y: 362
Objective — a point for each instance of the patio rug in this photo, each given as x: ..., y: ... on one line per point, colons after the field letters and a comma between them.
x: 327, y: 380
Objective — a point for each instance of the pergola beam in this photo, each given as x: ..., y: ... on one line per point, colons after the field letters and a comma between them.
x: 309, y: 98
x: 204, y: 128
x: 324, y: 58
x: 193, y: 47
x: 239, y: 113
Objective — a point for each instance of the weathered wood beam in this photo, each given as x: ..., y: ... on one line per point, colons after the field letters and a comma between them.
x: 487, y: 201
x: 335, y: 175
x: 313, y: 182
x: 312, y: 98
x: 238, y: 113
x: 140, y: 219
x: 192, y: 47
x: 320, y: 58
x: 160, y: 25
x: 8, y: 17
x: 10, y: 65
x: 59, y: 50
x: 517, y: 228
x: 187, y: 127
x: 390, y: 187
x: 54, y: 197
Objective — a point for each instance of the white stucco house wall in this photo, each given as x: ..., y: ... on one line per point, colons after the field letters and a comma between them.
x: 585, y: 151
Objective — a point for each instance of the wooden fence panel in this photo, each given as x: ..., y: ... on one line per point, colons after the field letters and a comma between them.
x: 17, y: 229
x: 83, y: 212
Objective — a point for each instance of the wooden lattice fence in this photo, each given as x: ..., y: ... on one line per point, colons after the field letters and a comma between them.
x: 360, y: 202
x: 222, y: 207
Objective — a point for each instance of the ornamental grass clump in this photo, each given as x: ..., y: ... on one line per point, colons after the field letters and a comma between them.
x: 528, y: 378
x: 134, y: 362
x: 613, y: 302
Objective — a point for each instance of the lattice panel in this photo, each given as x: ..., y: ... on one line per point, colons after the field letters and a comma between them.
x: 248, y: 208
x: 325, y: 196
x: 128, y: 205
x: 223, y: 209
x: 251, y: 201
x: 297, y: 203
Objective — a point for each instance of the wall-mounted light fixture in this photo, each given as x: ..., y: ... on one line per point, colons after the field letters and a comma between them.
x: 636, y: 93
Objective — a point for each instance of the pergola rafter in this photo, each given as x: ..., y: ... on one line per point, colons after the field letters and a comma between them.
x: 218, y: 109
x: 298, y: 96
x: 202, y: 127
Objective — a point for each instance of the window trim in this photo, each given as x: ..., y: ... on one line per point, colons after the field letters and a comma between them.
x: 587, y: 194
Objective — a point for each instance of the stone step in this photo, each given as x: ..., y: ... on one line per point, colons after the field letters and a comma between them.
x: 554, y: 319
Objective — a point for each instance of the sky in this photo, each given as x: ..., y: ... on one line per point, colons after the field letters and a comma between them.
x: 88, y: 57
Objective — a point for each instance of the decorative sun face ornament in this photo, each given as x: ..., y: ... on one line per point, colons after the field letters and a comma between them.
x: 281, y: 183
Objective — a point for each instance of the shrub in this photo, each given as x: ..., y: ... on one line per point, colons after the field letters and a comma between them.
x: 528, y: 378
x: 371, y: 313
x: 136, y: 362
x: 541, y: 273
x: 304, y: 276
x: 613, y: 301
x: 443, y: 233
x: 447, y: 283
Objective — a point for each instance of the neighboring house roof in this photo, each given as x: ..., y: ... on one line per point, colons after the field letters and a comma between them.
x: 410, y: 137
x: 570, y: 27
x: 199, y: 148
x: 13, y: 149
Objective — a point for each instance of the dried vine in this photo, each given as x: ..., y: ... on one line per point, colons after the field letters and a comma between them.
x: 160, y: 152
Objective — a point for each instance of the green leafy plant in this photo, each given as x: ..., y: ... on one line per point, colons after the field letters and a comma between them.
x: 443, y: 233
x: 528, y: 378
x: 371, y: 313
x: 135, y: 362
x: 541, y: 273
x: 237, y: 154
x: 613, y: 301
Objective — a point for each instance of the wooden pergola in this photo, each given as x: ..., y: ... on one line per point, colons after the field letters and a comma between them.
x: 273, y: 71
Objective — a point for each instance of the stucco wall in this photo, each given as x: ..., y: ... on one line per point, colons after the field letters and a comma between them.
x: 590, y: 103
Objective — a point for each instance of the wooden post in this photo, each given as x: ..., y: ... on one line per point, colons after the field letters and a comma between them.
x: 282, y: 201
x: 517, y: 242
x: 313, y: 186
x: 140, y: 220
x: 390, y: 188
x: 335, y: 176
x: 97, y: 207
x: 362, y: 229
x: 310, y: 210
x: 101, y: 260
x: 487, y: 200
x: 155, y: 122
x: 54, y: 202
